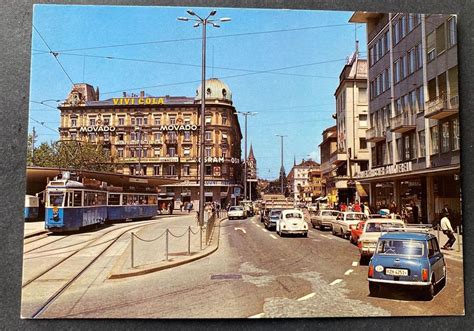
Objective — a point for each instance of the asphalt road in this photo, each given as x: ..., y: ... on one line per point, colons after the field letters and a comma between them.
x: 254, y: 273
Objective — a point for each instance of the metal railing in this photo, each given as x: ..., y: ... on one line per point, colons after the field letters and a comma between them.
x: 401, y: 120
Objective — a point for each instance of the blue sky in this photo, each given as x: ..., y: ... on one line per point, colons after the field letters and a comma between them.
x: 297, y: 101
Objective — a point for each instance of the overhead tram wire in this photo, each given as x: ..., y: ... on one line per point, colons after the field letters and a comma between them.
x: 42, y: 124
x: 209, y: 37
x: 192, y: 65
x: 55, y: 54
x: 225, y: 77
x: 43, y: 104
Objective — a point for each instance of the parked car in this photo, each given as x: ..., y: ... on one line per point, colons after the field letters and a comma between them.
x: 291, y: 221
x: 407, y: 259
x: 345, y: 221
x: 324, y: 219
x: 272, y: 218
x: 356, y: 232
x: 371, y: 232
x: 236, y: 212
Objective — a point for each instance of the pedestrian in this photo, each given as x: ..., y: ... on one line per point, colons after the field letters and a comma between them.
x: 181, y: 205
x: 366, y: 209
x: 218, y: 209
x: 448, y: 231
x: 414, y: 212
x: 171, y: 207
x: 356, y: 207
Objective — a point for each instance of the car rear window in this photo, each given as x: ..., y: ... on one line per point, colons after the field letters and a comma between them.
x: 356, y: 217
x: 294, y: 215
x: 330, y: 213
x: 379, y: 227
x: 400, y: 247
x: 236, y: 208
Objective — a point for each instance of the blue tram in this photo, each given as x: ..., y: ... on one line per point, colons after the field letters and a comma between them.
x: 71, y: 205
x: 31, y: 208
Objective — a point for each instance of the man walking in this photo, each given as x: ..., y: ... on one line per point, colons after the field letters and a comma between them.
x: 448, y: 231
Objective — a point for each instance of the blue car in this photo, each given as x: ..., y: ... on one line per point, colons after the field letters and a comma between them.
x: 407, y: 259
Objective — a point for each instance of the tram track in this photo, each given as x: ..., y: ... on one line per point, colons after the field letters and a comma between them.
x: 46, y: 244
x: 88, y: 245
x: 72, y: 279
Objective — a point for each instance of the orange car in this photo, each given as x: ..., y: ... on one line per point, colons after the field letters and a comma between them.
x: 356, y: 232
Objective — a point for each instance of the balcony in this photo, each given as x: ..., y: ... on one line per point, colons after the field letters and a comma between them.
x: 187, y: 142
x: 402, y: 123
x: 338, y: 156
x: 171, y: 141
x: 441, y: 107
x: 375, y: 135
x: 156, y: 142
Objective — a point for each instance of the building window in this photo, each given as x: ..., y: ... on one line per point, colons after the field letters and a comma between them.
x: 156, y: 170
x: 208, y: 151
x: 434, y: 140
x: 121, y: 120
x: 208, y: 170
x: 157, y: 120
x: 456, y: 137
x: 399, y: 149
x: 363, y: 120
x: 440, y: 39
x: 224, y: 138
x: 187, y: 135
x: 186, y: 170
x: 362, y: 143
x: 158, y: 136
x: 73, y: 135
x: 208, y: 136
x: 172, y: 137
x: 396, y: 36
x: 120, y: 152
x: 371, y: 56
x: 157, y: 152
x: 403, y: 26
x: 73, y: 122
x: 386, y: 40
x: 413, y: 145
x: 208, y: 119
x: 452, y: 33
x: 187, y: 151
x: 172, y: 119
x: 411, y: 61
x: 172, y: 170
x: 224, y: 119
x: 445, y: 137
x: 421, y: 140
x: 106, y: 136
x: 407, y: 155
x: 92, y: 121
x: 420, y: 98
x: 133, y: 136
x: 430, y: 47
x: 106, y: 120
x: 396, y: 71
x: 92, y: 137
x: 171, y: 151
x: 224, y: 153
x: 419, y: 57
x: 121, y: 136
x: 187, y: 119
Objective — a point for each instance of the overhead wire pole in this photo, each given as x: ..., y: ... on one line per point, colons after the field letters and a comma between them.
x: 246, y: 113
x: 202, y: 21
x: 281, y: 169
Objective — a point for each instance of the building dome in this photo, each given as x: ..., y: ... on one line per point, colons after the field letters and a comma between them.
x: 216, y: 91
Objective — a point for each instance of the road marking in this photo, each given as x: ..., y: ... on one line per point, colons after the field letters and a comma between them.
x: 355, y: 264
x: 243, y: 230
x: 348, y: 272
x: 337, y: 281
x: 323, y: 235
x: 263, y: 229
x: 273, y: 236
x: 257, y: 316
x: 306, y: 297
x: 315, y: 239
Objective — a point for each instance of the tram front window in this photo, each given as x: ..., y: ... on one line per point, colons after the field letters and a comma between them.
x: 56, y: 199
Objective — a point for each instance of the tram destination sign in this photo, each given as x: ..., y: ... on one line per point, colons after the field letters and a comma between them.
x: 387, y: 170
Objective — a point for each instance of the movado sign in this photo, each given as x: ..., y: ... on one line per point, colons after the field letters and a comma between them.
x: 99, y: 128
x: 387, y: 170
x: 179, y: 127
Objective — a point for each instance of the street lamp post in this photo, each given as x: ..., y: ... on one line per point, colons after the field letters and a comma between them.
x: 246, y: 114
x: 281, y: 136
x: 202, y: 21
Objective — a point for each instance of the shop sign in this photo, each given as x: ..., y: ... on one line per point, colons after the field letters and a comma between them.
x: 179, y: 127
x: 138, y: 101
x: 234, y: 160
x: 168, y: 159
x: 387, y: 170
x: 101, y: 128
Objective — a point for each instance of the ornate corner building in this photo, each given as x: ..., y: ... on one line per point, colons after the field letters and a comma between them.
x: 159, y: 136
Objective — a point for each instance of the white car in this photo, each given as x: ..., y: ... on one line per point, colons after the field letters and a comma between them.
x: 236, y: 212
x: 371, y: 233
x: 291, y: 221
x: 345, y: 221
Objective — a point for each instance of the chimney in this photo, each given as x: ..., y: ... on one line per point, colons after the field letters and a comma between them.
x: 142, y: 94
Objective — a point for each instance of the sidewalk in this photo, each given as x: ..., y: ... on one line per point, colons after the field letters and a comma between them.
x: 456, y: 253
x: 149, y: 246
x: 34, y: 229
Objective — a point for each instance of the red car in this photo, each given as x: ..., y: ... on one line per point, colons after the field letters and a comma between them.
x: 356, y: 232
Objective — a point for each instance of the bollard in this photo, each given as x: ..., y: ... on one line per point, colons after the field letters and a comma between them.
x: 132, y: 251
x: 166, y: 248
x: 458, y: 246
x: 200, y: 237
x: 189, y: 240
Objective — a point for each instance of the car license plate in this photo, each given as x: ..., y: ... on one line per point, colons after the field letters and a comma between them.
x: 396, y: 272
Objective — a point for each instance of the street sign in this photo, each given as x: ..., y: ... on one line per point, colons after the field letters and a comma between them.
x: 237, y: 191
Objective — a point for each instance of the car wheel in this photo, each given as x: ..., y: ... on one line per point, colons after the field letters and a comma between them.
x: 314, y: 226
x: 351, y: 240
x: 305, y: 234
x: 429, y: 291
x: 442, y: 283
x: 364, y: 260
x: 374, y: 289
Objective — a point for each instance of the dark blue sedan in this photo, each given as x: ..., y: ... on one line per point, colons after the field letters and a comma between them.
x: 407, y: 259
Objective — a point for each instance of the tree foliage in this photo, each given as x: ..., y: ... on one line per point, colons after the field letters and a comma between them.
x: 72, y: 155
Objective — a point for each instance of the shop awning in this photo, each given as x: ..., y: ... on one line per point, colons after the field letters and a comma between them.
x: 322, y: 198
x: 361, y: 190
